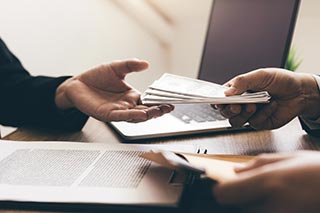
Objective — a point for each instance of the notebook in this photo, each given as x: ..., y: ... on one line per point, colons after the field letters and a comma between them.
x: 241, y: 36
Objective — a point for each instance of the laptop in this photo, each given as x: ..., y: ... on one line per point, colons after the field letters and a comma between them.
x: 89, y: 177
x: 242, y: 35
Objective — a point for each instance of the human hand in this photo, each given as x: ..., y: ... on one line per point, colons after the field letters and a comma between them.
x: 275, y: 183
x: 292, y: 94
x: 103, y: 94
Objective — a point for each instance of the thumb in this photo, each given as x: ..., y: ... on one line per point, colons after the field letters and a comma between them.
x: 122, y: 68
x: 254, y: 81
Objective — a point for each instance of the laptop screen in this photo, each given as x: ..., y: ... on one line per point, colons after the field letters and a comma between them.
x: 245, y: 35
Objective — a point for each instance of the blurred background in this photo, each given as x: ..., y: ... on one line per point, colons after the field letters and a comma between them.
x: 66, y: 37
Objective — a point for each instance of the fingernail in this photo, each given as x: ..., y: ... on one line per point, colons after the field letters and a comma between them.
x: 171, y: 107
x: 165, y: 108
x: 239, y: 167
x: 231, y: 91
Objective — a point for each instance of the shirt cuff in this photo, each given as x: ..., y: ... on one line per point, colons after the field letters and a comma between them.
x: 312, y: 126
x: 314, y: 122
x: 317, y: 78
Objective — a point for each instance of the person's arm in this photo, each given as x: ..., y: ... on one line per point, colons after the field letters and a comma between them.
x: 30, y: 101
x: 101, y: 92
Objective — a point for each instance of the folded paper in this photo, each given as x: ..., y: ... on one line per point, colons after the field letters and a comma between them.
x: 217, y: 167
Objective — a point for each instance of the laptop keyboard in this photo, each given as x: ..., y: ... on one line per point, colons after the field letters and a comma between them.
x: 198, y: 113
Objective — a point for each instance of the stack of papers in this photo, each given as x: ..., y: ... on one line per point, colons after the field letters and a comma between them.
x: 174, y: 89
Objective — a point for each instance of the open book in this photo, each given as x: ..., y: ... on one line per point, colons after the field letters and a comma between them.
x: 174, y: 89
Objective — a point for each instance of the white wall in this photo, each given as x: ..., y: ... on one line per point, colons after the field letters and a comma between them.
x: 190, y: 33
x: 307, y: 36
x: 189, y: 20
x: 66, y: 37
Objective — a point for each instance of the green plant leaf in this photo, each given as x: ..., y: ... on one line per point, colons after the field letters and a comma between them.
x: 293, y: 62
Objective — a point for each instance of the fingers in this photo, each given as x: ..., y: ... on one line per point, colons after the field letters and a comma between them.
x: 139, y: 114
x: 157, y: 111
x: 252, y: 183
x: 122, y: 68
x: 258, y: 119
x: 262, y: 160
x: 230, y: 111
x: 132, y: 115
x: 263, y: 118
x: 238, y: 115
x: 241, y: 119
x: 239, y: 85
x: 255, y: 80
x: 166, y: 108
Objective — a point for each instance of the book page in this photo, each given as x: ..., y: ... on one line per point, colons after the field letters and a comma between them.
x: 93, y: 168
x: 79, y: 172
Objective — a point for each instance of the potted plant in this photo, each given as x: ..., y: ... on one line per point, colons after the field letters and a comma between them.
x: 293, y: 61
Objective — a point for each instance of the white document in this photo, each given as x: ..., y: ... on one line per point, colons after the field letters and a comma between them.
x: 174, y: 89
x: 6, y: 130
x: 188, y: 86
x: 69, y: 172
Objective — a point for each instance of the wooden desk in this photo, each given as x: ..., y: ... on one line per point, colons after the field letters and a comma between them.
x: 289, y: 138
x: 286, y: 139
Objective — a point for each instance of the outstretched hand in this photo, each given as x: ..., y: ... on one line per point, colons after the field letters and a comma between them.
x: 103, y: 94
x: 292, y: 94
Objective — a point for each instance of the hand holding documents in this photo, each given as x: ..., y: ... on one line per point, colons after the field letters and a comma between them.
x: 216, y: 167
x: 174, y: 89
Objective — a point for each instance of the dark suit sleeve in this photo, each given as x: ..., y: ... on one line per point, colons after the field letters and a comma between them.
x: 26, y: 100
x: 311, y: 127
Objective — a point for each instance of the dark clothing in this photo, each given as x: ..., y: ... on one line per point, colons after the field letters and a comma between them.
x: 310, y: 129
x: 29, y: 101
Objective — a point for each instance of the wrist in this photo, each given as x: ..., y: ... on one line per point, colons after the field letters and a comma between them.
x: 61, y: 97
x: 311, y: 96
